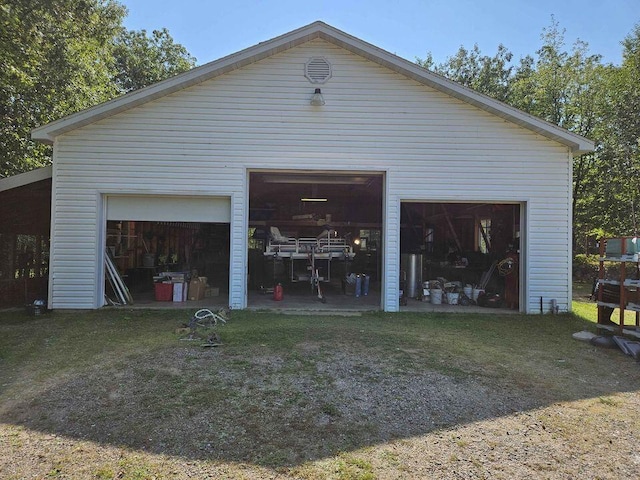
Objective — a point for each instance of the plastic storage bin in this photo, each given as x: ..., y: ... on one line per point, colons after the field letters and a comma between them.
x: 164, y: 292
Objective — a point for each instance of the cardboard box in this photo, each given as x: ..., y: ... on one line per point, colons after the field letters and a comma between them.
x: 196, y: 289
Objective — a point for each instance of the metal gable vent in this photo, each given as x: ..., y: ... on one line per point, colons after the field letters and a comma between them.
x: 317, y: 70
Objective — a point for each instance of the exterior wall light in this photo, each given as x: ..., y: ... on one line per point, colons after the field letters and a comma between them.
x: 317, y: 100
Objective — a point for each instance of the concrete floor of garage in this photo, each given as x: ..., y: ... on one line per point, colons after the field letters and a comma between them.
x: 299, y: 299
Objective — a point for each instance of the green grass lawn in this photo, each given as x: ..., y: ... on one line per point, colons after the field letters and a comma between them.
x: 118, y: 393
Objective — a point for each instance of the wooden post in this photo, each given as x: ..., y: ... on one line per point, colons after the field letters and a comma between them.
x: 453, y: 232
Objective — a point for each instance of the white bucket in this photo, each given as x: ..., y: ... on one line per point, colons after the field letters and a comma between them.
x: 452, y: 298
x: 426, y: 295
x: 468, y: 291
x: 436, y: 296
x: 476, y: 293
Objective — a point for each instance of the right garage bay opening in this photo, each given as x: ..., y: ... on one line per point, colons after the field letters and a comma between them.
x: 460, y: 255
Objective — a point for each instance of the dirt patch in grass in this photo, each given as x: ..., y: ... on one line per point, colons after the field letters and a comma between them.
x: 120, y: 395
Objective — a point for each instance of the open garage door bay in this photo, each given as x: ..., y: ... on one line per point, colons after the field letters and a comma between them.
x: 317, y: 235
x: 157, y: 242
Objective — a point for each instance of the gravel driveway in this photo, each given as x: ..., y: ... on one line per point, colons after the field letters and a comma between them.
x: 342, y: 406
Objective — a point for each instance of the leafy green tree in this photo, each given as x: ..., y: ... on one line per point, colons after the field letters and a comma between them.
x: 54, y: 61
x: 142, y: 60
x: 482, y: 73
x: 618, y: 170
x: 605, y: 108
x: 564, y: 87
x: 61, y: 56
x: 559, y: 85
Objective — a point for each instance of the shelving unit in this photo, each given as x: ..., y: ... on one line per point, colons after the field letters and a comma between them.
x: 621, y: 251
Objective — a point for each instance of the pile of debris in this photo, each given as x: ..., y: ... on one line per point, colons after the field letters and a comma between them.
x: 628, y: 347
x: 203, y: 326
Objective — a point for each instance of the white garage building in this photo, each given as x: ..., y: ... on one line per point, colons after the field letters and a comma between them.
x: 193, y: 171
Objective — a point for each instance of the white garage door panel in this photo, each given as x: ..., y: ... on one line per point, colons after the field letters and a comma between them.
x: 169, y: 209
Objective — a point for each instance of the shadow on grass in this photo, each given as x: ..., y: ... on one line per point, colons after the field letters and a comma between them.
x: 284, y: 390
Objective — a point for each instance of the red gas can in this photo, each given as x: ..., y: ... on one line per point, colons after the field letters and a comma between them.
x: 278, y: 292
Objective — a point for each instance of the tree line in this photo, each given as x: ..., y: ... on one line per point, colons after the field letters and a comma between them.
x: 58, y: 57
x: 576, y: 90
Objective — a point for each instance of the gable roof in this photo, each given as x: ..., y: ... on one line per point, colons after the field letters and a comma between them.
x: 47, y: 133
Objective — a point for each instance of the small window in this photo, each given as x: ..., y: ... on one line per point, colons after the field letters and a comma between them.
x: 484, y: 235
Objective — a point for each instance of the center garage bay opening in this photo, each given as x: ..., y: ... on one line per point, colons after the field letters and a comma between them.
x: 158, y: 242
x: 318, y: 236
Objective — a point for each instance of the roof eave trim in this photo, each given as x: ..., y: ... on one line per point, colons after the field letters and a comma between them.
x: 22, y: 179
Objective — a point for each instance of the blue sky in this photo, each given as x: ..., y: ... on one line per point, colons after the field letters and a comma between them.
x: 408, y: 28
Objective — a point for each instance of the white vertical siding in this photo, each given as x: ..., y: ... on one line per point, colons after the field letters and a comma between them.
x: 239, y: 246
x: 391, y: 243
x: 202, y: 141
